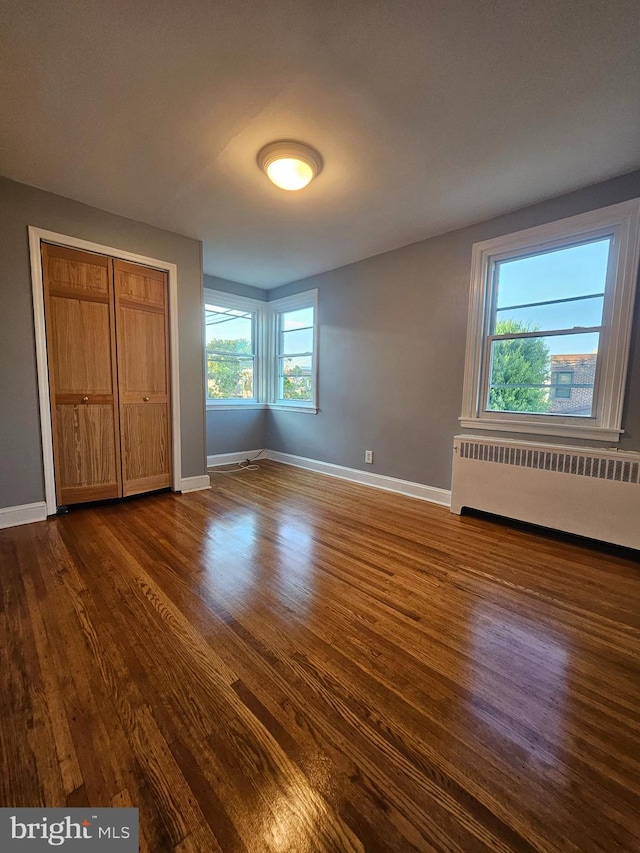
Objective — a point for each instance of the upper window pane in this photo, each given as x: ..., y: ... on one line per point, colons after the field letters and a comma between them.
x: 297, y: 341
x: 300, y: 319
x: 585, y: 312
x: 522, y: 284
x: 228, y: 330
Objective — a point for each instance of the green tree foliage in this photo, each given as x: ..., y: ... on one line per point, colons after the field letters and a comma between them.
x: 296, y: 384
x: 519, y: 368
x: 229, y: 378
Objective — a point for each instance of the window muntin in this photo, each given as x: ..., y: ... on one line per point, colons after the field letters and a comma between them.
x: 589, y: 291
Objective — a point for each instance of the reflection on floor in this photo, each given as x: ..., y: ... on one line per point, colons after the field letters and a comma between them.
x: 289, y: 662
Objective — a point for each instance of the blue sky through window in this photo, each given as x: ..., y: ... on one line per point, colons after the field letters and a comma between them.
x: 561, y: 274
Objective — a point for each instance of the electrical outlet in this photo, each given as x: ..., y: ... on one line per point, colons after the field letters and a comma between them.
x: 368, y: 456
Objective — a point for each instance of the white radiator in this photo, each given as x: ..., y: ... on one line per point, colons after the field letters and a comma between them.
x: 594, y: 493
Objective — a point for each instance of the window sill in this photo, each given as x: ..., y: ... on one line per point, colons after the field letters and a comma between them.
x: 577, y: 430
x: 233, y: 407
x: 284, y: 407
x: 244, y: 407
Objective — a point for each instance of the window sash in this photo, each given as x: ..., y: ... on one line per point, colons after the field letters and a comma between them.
x: 621, y: 225
x: 266, y: 348
x: 239, y: 308
x: 280, y: 355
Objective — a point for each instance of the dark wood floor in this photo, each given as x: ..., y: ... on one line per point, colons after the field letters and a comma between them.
x: 291, y: 663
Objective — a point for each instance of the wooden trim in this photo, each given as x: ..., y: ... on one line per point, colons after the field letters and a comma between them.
x: 128, y: 302
x: 134, y: 269
x: 433, y: 494
x: 38, y: 235
x: 77, y: 399
x: 146, y: 484
x: 232, y: 458
x: 115, y: 384
x: 12, y: 516
x: 196, y: 484
x: 84, y: 494
x: 75, y: 293
x: 69, y: 254
x: 50, y: 374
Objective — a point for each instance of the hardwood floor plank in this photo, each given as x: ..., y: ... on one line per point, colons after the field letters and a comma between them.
x: 293, y: 662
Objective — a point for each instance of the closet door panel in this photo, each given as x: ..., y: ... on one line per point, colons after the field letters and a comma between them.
x: 143, y: 362
x: 143, y: 375
x: 81, y: 335
x: 87, y: 451
x: 80, y: 317
x: 145, y: 448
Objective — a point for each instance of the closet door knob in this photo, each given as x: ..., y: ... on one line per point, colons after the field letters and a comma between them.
x: 146, y: 399
x: 85, y: 399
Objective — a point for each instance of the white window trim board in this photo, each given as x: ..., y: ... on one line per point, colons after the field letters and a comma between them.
x: 38, y: 235
x: 240, y: 303
x: 623, y: 220
x: 276, y: 307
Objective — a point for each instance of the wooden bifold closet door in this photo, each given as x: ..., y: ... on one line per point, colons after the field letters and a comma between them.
x: 142, y: 333
x: 107, y: 328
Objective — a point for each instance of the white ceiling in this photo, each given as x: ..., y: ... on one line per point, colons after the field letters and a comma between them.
x: 429, y: 114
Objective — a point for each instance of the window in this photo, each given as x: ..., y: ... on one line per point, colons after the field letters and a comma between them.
x: 563, y: 384
x: 232, y: 339
x: 549, y: 326
x: 294, y: 326
x: 261, y: 353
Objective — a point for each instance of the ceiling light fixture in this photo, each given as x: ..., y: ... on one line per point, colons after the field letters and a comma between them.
x: 289, y: 165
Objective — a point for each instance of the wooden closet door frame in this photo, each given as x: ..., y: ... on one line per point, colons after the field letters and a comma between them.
x: 38, y: 236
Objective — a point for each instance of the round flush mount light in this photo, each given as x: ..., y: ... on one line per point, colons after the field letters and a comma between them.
x: 289, y: 165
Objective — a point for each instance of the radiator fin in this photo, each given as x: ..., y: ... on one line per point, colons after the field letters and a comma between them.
x: 587, y: 464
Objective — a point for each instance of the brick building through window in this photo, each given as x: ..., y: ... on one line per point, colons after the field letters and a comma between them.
x: 572, y: 381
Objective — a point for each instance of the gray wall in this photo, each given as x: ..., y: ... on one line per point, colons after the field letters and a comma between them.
x: 212, y: 282
x: 392, y: 345
x: 21, y: 476
x: 233, y: 431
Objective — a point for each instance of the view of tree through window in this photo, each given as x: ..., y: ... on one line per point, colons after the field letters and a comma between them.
x: 519, y: 371
x: 229, y: 353
x: 546, y: 324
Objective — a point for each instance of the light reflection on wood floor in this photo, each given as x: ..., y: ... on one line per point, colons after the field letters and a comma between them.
x: 289, y: 662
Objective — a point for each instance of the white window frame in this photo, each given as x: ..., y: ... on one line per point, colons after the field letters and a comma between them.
x: 621, y: 222
x: 258, y: 309
x: 308, y: 299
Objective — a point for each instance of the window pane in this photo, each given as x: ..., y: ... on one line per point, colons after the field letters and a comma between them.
x: 229, y: 378
x: 562, y: 315
x: 297, y: 341
x: 295, y: 378
x: 559, y: 274
x: 299, y: 319
x: 228, y: 330
x: 524, y: 374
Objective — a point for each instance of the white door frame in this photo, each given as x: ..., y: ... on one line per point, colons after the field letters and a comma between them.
x: 36, y: 236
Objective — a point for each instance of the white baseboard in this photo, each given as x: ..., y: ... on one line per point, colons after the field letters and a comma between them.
x: 377, y: 481
x: 232, y: 458
x: 195, y: 484
x: 12, y: 516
